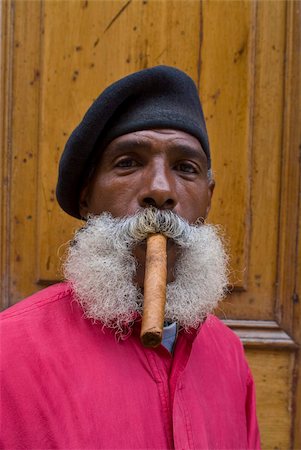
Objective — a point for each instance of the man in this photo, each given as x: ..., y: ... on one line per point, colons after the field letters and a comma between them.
x: 75, y: 374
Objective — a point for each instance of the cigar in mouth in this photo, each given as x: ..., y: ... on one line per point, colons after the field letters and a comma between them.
x: 154, y: 290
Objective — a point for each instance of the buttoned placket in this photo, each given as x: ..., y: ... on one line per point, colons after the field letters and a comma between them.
x: 167, y: 371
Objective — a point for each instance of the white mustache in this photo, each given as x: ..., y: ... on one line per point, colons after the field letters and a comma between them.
x: 134, y: 229
x: 101, y: 267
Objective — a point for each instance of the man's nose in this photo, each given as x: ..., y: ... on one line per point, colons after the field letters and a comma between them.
x: 158, y: 188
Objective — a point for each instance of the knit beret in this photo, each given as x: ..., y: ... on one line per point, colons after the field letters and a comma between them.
x: 158, y: 97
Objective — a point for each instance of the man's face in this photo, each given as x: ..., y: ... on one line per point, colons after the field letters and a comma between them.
x: 166, y: 169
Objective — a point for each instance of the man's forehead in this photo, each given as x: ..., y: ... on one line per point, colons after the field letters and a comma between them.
x: 174, y: 145
x: 148, y: 137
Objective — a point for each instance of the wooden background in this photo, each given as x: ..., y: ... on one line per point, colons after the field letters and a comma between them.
x: 57, y: 56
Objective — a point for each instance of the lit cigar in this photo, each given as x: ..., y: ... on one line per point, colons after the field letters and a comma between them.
x: 154, y: 290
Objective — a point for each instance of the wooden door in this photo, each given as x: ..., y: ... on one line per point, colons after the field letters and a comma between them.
x: 57, y: 56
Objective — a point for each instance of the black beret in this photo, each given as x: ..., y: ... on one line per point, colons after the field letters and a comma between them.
x: 159, y: 97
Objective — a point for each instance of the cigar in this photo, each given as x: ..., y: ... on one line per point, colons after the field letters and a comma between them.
x: 154, y: 291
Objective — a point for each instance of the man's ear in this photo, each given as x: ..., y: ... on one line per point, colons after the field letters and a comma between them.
x: 84, y: 202
x: 211, y: 186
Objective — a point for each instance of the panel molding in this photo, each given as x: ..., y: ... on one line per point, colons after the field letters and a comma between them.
x: 261, y: 334
x: 288, y: 309
x: 288, y: 293
x: 7, y: 35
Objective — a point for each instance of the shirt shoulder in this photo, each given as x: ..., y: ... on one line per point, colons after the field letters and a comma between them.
x: 35, y: 319
x: 214, y: 327
x: 38, y: 301
x: 38, y: 326
x: 224, y: 344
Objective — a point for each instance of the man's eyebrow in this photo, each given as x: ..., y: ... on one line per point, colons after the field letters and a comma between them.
x: 138, y: 144
x: 190, y: 152
x: 130, y: 144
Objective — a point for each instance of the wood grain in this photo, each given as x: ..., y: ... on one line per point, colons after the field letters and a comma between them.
x: 227, y: 94
x: 22, y: 74
x: 5, y: 94
x: 262, y: 171
x: 272, y: 372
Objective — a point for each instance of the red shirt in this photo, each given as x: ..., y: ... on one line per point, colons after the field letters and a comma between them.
x: 69, y: 384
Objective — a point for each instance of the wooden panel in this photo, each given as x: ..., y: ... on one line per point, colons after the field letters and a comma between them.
x: 261, y: 334
x: 261, y: 167
x: 77, y: 66
x: 21, y: 67
x: 226, y: 90
x: 272, y: 371
x: 266, y: 161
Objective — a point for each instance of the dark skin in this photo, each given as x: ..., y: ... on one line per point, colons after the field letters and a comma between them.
x: 166, y: 169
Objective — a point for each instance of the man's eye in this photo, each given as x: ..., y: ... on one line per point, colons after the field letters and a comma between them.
x: 126, y: 162
x: 186, y: 167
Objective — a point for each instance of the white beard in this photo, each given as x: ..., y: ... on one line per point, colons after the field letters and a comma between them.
x: 101, y: 268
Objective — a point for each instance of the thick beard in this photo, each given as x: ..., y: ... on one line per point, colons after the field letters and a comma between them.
x: 101, y: 268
